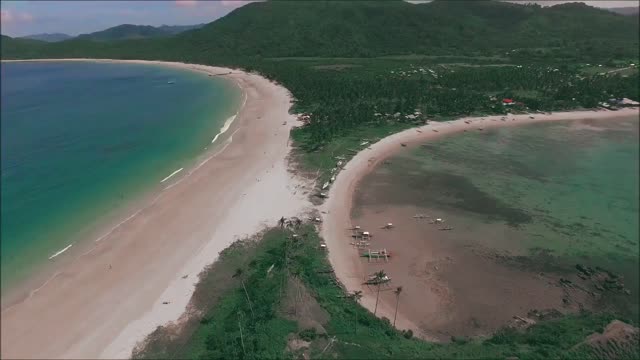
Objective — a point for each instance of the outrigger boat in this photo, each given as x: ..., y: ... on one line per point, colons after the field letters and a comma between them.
x: 373, y: 280
x: 376, y: 254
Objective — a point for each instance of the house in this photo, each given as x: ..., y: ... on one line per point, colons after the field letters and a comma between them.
x: 507, y: 102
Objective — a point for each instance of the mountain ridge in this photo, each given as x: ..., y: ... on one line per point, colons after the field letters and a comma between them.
x: 131, y: 31
x: 626, y: 11
x: 48, y: 37
x: 368, y: 29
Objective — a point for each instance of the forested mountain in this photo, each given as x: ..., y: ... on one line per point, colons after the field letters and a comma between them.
x: 128, y: 31
x: 349, y: 29
x: 55, y: 37
x: 370, y: 28
x: 176, y: 29
x: 627, y: 11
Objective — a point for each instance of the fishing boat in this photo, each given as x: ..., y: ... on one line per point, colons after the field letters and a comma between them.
x: 171, y: 82
x: 376, y: 254
x: 373, y: 280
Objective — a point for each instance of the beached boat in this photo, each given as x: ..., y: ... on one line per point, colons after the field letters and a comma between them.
x: 375, y: 281
x: 376, y: 254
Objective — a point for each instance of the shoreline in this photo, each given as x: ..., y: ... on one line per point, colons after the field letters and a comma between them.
x: 79, y: 245
x: 141, y: 273
x: 343, y: 257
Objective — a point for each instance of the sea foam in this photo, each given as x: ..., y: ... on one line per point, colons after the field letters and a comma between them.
x: 225, y: 127
x: 60, y: 251
x: 173, y: 173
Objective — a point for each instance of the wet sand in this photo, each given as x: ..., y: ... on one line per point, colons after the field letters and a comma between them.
x: 100, y: 303
x: 448, y: 289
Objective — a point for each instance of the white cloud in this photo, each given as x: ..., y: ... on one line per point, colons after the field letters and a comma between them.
x: 186, y: 3
x: 10, y: 17
x: 234, y: 4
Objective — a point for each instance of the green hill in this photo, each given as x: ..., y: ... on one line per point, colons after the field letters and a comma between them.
x: 371, y: 28
x: 361, y: 29
x: 128, y: 31
x: 54, y: 37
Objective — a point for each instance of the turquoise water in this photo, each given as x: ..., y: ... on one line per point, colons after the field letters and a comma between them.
x: 561, y: 190
x: 80, y: 140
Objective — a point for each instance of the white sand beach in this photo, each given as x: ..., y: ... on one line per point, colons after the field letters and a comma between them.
x: 100, y: 303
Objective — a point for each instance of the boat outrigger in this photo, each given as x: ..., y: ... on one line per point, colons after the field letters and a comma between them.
x: 376, y: 254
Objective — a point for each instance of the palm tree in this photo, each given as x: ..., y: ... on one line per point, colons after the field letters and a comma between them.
x: 357, y: 295
x: 281, y: 222
x: 379, y: 276
x: 238, y: 274
x: 241, y: 337
x: 397, y: 291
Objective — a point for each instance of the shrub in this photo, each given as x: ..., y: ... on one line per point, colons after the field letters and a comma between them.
x: 308, y: 334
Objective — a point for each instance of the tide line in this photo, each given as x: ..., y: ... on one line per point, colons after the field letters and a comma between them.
x: 115, y: 227
x: 225, y: 127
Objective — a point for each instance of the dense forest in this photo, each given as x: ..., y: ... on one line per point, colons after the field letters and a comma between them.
x: 376, y: 28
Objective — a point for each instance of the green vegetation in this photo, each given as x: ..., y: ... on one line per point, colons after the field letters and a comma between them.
x: 48, y: 37
x: 291, y: 296
x: 376, y: 28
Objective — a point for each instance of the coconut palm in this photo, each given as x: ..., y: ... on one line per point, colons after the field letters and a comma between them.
x: 238, y: 274
x: 397, y: 291
x: 379, y: 277
x: 357, y: 295
x: 281, y: 222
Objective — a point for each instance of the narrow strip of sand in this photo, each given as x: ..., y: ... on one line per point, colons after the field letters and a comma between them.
x: 343, y: 256
x: 142, y: 274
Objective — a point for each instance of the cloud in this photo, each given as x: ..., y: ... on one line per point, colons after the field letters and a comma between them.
x: 9, y: 17
x: 6, y: 16
x: 186, y: 3
x: 234, y: 4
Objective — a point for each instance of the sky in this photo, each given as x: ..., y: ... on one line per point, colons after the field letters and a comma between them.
x: 21, y: 17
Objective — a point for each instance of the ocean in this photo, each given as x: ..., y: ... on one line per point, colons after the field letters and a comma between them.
x: 80, y: 141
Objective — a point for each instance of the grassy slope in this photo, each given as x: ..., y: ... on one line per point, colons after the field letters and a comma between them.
x: 265, y: 333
